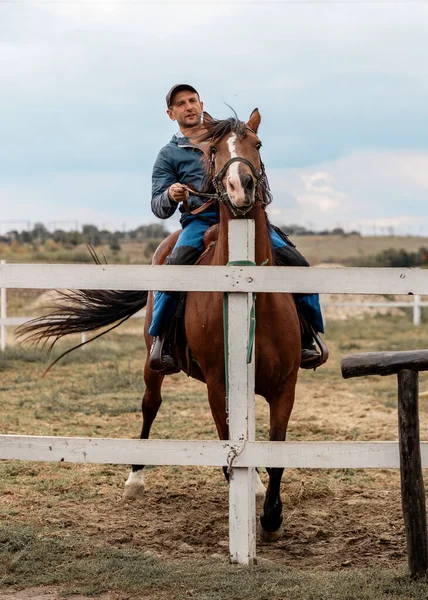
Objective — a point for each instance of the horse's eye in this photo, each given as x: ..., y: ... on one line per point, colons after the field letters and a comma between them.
x: 258, y: 145
x: 213, y: 149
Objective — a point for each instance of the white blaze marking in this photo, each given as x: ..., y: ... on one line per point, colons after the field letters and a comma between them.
x: 233, y: 169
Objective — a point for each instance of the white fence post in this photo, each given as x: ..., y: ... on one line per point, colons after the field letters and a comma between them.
x: 242, y: 500
x: 416, y: 309
x: 3, y: 340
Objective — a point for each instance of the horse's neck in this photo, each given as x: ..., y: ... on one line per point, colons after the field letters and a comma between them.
x: 263, y: 250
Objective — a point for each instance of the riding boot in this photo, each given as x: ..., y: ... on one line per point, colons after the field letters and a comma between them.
x: 311, y: 358
x: 310, y: 353
x: 161, y: 360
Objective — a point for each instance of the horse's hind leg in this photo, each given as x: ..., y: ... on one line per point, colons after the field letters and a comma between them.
x: 280, y: 410
x: 152, y: 399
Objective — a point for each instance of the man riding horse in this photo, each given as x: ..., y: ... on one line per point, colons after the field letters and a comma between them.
x: 180, y: 164
x: 237, y: 186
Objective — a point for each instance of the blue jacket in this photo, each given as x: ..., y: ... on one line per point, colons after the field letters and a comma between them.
x: 178, y: 162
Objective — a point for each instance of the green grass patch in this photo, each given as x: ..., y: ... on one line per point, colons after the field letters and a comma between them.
x: 102, y: 350
x: 31, y: 558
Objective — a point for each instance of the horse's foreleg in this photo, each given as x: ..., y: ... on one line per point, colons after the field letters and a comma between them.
x: 152, y: 399
x: 271, y: 518
x: 216, y: 397
x: 217, y: 401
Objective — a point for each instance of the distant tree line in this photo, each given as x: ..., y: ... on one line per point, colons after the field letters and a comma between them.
x: 395, y: 258
x: 90, y: 234
x: 294, y: 229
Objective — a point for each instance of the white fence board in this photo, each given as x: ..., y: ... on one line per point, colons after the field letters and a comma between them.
x: 15, y: 321
x: 216, y: 279
x: 380, y: 304
x: 215, y: 453
x: 242, y: 491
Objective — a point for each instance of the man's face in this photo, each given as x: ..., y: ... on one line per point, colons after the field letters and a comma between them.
x: 186, y: 109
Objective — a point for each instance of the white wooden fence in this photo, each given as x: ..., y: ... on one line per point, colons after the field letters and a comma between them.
x: 415, y: 304
x: 242, y: 450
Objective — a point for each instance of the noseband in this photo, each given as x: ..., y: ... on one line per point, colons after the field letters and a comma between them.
x: 221, y: 193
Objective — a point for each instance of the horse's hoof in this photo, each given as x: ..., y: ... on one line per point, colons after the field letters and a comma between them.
x: 260, y: 488
x: 134, y: 486
x: 270, y: 536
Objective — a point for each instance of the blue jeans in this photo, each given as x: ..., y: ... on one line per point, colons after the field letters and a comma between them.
x: 189, y: 246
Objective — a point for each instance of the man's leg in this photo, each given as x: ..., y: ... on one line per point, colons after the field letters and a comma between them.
x: 308, y: 305
x: 187, y: 250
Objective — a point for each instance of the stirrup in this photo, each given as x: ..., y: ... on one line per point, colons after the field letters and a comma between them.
x: 160, y: 362
x: 320, y: 358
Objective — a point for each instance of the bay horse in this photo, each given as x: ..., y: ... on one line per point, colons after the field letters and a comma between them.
x: 236, y: 177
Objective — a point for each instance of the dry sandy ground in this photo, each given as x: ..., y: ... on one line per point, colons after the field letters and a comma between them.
x: 46, y: 594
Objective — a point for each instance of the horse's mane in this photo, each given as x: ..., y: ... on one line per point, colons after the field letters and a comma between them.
x: 216, y: 130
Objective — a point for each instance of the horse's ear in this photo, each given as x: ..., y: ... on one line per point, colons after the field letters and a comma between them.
x: 207, y: 118
x: 254, y: 120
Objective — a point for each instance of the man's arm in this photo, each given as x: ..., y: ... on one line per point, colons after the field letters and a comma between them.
x: 163, y: 177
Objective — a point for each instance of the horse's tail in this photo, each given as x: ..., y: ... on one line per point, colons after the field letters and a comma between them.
x: 82, y: 311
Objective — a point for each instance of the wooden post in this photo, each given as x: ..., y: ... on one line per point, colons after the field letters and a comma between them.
x: 3, y: 312
x: 412, y: 483
x: 242, y: 493
x: 407, y: 366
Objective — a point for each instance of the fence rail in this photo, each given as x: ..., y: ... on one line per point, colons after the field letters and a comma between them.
x: 416, y: 304
x: 211, y: 453
x: 14, y: 274
x: 353, y: 280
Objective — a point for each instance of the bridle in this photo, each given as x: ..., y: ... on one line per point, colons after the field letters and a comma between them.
x: 217, y: 180
x: 221, y: 194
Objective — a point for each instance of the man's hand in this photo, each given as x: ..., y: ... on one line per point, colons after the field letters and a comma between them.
x: 178, y: 192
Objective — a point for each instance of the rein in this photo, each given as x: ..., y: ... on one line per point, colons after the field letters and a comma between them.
x: 211, y: 198
x: 221, y: 194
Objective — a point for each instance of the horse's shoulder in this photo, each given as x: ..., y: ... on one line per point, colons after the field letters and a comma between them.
x: 210, y: 240
x: 165, y: 248
x: 211, y: 235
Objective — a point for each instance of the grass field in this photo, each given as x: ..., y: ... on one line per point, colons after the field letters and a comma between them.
x: 343, y: 249
x: 65, y: 526
x: 316, y: 248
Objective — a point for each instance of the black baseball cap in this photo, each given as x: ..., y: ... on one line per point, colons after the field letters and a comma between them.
x: 179, y: 87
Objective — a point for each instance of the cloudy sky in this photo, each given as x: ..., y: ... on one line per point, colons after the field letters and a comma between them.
x: 342, y: 88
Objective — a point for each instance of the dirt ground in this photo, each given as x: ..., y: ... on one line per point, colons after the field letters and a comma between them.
x: 46, y: 593
x: 329, y: 524
x: 333, y: 519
